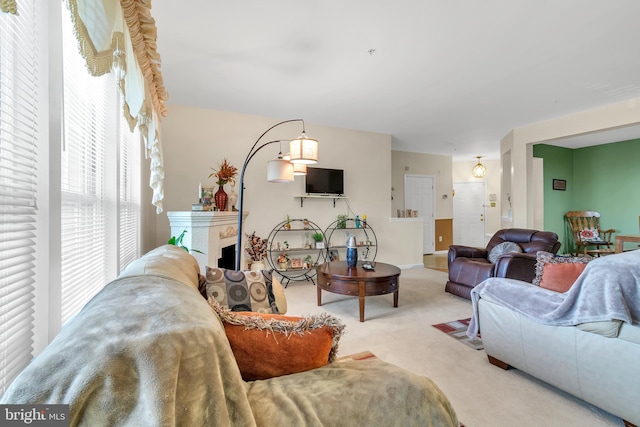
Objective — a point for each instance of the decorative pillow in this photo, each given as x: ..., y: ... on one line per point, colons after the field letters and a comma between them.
x: 503, y: 248
x: 558, y: 273
x: 270, y: 345
x: 589, y: 235
x: 241, y: 290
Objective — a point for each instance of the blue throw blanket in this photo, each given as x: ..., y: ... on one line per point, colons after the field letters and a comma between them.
x: 607, y: 289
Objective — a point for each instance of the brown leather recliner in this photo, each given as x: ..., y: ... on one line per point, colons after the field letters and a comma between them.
x: 469, y: 266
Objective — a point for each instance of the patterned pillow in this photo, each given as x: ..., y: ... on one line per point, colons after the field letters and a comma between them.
x: 589, y: 235
x: 271, y: 345
x: 558, y: 273
x: 503, y: 248
x: 241, y: 290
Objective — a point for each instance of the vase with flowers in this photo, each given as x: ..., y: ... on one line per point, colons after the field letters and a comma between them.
x: 283, y: 260
x: 256, y: 249
x: 224, y: 174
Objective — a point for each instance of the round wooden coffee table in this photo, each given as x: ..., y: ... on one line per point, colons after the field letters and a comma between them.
x: 337, y: 278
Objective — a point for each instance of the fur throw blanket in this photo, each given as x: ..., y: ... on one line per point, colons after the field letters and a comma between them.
x: 608, y: 289
x: 145, y: 351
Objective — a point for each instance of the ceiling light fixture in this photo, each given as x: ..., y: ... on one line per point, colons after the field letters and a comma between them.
x: 479, y: 171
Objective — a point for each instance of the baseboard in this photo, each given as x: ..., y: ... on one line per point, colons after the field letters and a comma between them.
x: 410, y: 266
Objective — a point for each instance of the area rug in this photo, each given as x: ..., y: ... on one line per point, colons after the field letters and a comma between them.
x: 458, y: 329
x: 357, y: 356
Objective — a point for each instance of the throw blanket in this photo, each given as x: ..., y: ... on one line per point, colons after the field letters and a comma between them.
x: 149, y: 351
x: 145, y: 351
x: 607, y: 289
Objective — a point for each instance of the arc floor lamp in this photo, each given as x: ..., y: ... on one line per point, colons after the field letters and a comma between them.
x: 302, y: 150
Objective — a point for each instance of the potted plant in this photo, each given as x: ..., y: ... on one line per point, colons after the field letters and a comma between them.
x: 177, y: 241
x: 283, y: 260
x: 319, y: 239
x: 308, y: 261
x: 342, y: 221
x: 256, y: 249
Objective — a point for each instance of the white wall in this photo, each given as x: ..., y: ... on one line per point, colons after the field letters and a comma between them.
x: 196, y: 140
x: 422, y: 164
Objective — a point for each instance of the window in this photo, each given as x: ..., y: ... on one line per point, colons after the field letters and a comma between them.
x: 99, y: 169
x: 19, y: 58
x: 100, y: 181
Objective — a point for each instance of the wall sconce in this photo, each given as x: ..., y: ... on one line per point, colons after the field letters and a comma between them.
x: 479, y: 171
x: 303, y: 150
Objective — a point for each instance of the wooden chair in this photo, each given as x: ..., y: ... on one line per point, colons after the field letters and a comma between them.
x: 588, y: 237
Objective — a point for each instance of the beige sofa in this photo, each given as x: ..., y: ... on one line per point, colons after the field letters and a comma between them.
x: 597, y: 361
x: 149, y: 350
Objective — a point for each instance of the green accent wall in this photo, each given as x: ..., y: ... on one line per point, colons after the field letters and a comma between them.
x: 603, y: 178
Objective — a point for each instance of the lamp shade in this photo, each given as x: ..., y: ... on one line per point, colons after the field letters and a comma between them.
x: 279, y: 170
x: 479, y: 171
x: 303, y: 150
x: 298, y: 168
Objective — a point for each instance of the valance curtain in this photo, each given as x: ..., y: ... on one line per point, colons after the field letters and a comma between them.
x: 120, y: 35
x: 8, y: 6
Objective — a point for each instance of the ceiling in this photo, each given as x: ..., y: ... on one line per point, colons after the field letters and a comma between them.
x: 448, y: 77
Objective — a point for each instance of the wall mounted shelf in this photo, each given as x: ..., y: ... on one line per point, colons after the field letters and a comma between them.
x: 320, y: 196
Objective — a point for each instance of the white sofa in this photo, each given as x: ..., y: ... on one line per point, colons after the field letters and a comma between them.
x: 598, y: 361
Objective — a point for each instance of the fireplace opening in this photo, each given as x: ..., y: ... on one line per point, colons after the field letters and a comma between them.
x: 228, y: 259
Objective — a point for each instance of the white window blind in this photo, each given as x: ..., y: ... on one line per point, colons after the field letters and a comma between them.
x: 19, y: 62
x: 87, y: 108
x: 129, y: 226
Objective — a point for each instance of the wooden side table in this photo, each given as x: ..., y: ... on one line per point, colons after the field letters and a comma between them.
x: 337, y: 278
x: 620, y: 239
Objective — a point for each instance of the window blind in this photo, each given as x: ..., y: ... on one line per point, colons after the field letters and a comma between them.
x: 129, y: 207
x: 19, y: 60
x: 87, y: 107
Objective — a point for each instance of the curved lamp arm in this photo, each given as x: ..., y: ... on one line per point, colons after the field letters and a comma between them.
x: 252, y: 152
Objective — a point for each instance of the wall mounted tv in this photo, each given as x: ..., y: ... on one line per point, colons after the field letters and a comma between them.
x: 324, y: 181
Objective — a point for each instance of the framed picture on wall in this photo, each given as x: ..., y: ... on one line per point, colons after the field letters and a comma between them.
x: 560, y: 184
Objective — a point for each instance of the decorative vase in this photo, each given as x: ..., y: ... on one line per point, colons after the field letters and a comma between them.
x: 257, y: 265
x: 283, y: 265
x: 220, y: 198
x: 352, y: 251
x: 232, y: 199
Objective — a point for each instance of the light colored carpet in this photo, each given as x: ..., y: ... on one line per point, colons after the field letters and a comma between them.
x: 482, y: 394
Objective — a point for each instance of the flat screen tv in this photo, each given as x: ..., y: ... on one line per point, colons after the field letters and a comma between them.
x: 324, y: 181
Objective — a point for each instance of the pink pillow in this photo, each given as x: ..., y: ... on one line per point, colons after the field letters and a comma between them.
x: 558, y: 273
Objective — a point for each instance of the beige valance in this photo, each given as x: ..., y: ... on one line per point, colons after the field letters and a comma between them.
x: 121, y: 35
x: 9, y: 6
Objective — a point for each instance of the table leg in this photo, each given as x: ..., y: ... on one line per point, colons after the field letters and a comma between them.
x: 395, y: 294
x: 361, y: 298
x: 619, y: 245
x: 319, y: 290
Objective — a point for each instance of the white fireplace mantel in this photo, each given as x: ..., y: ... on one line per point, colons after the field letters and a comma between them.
x: 208, y: 232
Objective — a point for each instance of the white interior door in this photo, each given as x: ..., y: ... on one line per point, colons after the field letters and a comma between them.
x: 419, y: 195
x: 469, y: 214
